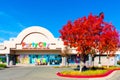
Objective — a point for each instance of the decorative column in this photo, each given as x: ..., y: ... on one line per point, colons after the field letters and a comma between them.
x: 48, y: 60
x: 115, y: 61
x: 99, y: 62
x: 63, y: 61
x: 90, y: 60
x: 7, y: 59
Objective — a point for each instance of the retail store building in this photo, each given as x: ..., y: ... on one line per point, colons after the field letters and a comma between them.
x: 32, y: 43
x: 37, y: 43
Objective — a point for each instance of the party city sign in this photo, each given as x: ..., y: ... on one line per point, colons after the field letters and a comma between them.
x: 41, y: 45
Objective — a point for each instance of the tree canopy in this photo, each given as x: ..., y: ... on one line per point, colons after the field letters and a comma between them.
x: 90, y: 34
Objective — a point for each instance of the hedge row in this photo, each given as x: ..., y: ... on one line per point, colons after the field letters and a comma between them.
x: 3, y: 65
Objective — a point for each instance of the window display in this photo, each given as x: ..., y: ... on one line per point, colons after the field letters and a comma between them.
x: 39, y: 59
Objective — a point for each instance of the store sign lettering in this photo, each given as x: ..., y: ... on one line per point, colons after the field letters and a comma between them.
x: 43, y: 45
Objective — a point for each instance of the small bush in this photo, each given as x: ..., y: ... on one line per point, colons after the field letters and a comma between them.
x: 3, y: 65
x: 118, y: 62
x: 111, y: 67
x: 96, y: 68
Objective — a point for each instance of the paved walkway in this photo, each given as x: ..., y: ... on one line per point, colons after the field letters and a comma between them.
x: 42, y: 73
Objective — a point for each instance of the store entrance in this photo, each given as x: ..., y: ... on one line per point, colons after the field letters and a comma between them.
x: 39, y: 59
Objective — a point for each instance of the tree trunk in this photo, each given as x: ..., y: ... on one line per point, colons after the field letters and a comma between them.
x: 92, y: 60
x: 82, y: 61
x: 108, y: 60
x: 81, y: 65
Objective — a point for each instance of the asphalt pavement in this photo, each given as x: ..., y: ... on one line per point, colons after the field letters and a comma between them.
x: 43, y: 73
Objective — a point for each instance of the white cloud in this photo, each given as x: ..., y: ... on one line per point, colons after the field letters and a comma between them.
x: 9, y: 26
x: 6, y: 35
x: 8, y: 32
x: 21, y: 26
x: 4, y: 14
x: 11, y: 20
x: 2, y: 39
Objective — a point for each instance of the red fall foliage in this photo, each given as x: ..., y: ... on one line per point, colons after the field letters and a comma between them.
x: 90, y: 34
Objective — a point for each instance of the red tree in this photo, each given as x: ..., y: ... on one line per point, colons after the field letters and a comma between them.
x: 109, y: 40
x: 89, y: 34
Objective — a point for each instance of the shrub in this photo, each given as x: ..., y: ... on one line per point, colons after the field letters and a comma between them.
x: 111, y: 67
x: 96, y: 68
x: 3, y: 65
x: 88, y: 72
x: 118, y: 62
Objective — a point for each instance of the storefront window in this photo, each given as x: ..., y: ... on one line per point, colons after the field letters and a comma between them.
x: 118, y: 59
x: 55, y: 59
x: 40, y: 59
x: 24, y: 59
x: 73, y: 59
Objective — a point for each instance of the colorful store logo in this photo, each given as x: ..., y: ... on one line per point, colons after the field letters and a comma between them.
x: 42, y: 45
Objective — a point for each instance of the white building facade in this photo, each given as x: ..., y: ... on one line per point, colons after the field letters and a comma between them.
x: 37, y: 45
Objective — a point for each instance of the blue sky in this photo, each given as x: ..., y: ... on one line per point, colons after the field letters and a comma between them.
x: 16, y: 15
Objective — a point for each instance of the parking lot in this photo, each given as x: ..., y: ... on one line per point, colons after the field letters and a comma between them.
x: 38, y: 73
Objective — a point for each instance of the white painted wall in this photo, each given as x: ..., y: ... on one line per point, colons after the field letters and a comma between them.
x: 104, y: 60
x: 29, y: 35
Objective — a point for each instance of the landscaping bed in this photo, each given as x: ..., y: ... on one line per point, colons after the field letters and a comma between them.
x: 95, y: 72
